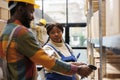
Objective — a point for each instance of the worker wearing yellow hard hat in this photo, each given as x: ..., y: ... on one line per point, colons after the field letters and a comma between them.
x: 42, y: 37
x: 41, y: 31
x: 26, y: 1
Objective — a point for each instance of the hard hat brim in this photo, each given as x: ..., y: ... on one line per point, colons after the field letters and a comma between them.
x: 36, y: 6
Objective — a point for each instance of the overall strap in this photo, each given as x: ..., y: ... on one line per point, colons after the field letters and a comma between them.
x: 10, y: 37
x: 55, y: 49
x: 68, y: 49
x: 71, y: 52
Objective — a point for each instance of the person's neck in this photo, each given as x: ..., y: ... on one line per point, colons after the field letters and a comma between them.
x: 17, y: 22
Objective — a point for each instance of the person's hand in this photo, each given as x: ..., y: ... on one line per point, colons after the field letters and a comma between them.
x: 84, y: 70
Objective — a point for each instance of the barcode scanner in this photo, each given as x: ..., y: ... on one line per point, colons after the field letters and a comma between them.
x: 92, y: 67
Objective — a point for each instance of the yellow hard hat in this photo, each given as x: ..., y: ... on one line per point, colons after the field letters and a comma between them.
x: 43, y: 21
x: 27, y: 1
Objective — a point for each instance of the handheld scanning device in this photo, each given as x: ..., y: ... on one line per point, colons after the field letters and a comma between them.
x: 92, y: 67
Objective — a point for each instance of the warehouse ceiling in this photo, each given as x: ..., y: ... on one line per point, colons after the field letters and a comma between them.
x: 60, y: 11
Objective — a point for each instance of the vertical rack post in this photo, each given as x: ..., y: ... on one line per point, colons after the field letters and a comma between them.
x: 100, y: 37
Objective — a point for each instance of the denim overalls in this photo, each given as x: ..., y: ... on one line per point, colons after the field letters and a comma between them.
x: 56, y: 76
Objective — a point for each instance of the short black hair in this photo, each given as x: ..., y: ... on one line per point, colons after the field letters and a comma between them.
x: 49, y: 27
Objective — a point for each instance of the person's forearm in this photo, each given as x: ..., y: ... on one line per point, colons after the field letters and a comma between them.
x: 64, y: 68
x: 53, y: 64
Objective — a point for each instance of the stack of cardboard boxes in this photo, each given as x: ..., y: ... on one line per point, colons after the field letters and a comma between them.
x: 4, y: 13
